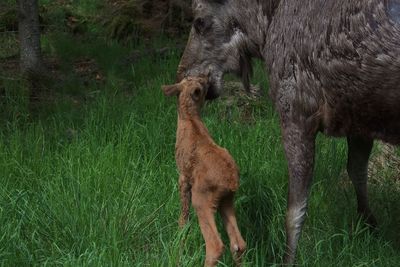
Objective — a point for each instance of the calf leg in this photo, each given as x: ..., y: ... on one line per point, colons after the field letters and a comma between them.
x: 184, y: 190
x: 238, y: 245
x: 299, y: 149
x: 359, y: 150
x: 205, y: 210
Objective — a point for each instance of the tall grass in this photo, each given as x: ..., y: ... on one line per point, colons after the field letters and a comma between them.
x: 95, y: 184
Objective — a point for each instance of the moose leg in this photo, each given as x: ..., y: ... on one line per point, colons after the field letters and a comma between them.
x: 299, y: 149
x: 184, y: 190
x: 205, y: 211
x: 238, y: 245
x: 359, y: 150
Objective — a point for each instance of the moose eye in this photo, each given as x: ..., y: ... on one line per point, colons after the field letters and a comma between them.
x: 202, y: 24
x: 234, y: 24
x: 199, y: 24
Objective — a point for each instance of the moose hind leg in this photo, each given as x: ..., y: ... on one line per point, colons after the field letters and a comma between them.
x: 184, y: 190
x: 359, y: 150
x: 238, y: 245
x: 299, y: 149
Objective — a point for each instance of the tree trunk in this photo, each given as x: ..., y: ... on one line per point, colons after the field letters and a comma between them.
x: 29, y: 38
x: 30, y: 51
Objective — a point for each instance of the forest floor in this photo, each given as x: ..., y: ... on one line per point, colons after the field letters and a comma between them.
x: 88, y: 176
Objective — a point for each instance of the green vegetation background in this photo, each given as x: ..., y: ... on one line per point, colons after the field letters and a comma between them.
x: 88, y: 176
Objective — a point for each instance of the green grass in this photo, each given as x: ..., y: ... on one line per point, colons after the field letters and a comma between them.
x: 95, y: 183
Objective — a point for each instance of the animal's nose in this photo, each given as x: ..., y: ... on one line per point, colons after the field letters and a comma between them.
x: 180, y: 74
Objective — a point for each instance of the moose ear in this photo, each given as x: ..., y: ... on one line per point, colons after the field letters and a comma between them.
x: 171, y: 90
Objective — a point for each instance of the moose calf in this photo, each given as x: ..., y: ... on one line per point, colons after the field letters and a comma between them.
x: 208, y: 173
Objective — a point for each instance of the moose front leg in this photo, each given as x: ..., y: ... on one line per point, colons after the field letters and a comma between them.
x: 299, y: 147
x: 359, y: 150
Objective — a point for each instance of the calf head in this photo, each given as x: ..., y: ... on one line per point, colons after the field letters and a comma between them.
x: 191, y: 92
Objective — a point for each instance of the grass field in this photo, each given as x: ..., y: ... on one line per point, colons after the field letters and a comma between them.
x: 89, y: 178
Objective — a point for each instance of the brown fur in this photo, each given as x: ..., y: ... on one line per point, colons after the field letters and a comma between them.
x: 208, y: 173
x: 333, y: 65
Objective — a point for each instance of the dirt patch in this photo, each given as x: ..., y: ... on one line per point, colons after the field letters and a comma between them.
x: 235, y: 96
x: 9, y: 67
x: 88, y: 70
x: 386, y: 162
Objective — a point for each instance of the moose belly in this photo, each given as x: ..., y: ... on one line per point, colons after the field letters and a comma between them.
x: 376, y: 117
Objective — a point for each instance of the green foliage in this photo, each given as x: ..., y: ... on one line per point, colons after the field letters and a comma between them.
x: 122, y: 19
x: 8, y: 19
x: 8, y: 45
x: 129, y: 20
x: 89, y: 178
x: 121, y: 22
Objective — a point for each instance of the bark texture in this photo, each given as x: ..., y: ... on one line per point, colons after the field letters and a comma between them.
x: 29, y: 37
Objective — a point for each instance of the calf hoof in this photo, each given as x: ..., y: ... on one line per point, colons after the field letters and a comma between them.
x: 237, y: 251
x: 213, y: 257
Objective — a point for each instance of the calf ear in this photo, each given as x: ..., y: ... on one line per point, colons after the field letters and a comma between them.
x: 196, y: 94
x: 171, y: 90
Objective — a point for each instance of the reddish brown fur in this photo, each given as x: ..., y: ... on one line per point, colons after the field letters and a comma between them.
x: 208, y: 172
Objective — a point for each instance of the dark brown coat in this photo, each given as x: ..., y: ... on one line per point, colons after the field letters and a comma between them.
x: 334, y: 67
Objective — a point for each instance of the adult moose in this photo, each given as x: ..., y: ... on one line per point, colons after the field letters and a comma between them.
x: 334, y: 67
